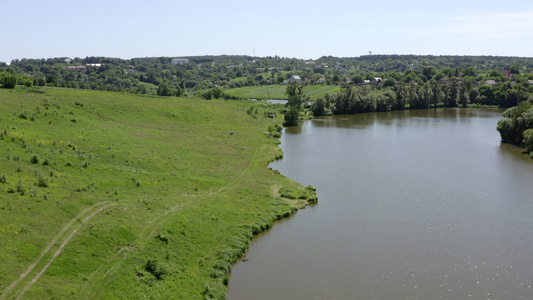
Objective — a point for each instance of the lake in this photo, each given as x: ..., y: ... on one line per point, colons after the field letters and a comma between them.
x: 422, y: 204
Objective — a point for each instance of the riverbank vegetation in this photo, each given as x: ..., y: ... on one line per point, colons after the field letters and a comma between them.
x: 414, y: 96
x: 517, y: 127
x: 106, y: 195
x: 136, y: 180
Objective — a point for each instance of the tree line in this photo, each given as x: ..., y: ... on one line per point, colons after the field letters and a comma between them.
x: 354, y: 99
x: 202, y: 73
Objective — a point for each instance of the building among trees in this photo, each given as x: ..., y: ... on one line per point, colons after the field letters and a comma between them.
x: 179, y: 61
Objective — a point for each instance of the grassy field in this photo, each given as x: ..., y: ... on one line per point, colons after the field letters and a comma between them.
x: 278, y: 91
x: 112, y: 196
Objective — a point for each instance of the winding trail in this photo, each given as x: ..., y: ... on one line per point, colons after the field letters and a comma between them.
x: 22, y: 276
x: 17, y: 288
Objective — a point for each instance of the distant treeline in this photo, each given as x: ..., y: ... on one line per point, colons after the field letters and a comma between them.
x: 198, y: 74
x: 416, y: 96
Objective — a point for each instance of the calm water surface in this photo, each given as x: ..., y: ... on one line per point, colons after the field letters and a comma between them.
x: 412, y: 205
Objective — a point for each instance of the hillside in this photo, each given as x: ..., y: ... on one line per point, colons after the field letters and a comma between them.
x: 200, y: 73
x: 106, y: 195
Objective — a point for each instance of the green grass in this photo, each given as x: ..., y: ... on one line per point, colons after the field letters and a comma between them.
x: 131, y: 196
x: 278, y: 91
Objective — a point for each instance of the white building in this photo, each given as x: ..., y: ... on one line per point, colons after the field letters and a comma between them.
x: 179, y: 61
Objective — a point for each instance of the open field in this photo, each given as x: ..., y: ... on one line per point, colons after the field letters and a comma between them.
x: 278, y: 91
x: 105, y: 195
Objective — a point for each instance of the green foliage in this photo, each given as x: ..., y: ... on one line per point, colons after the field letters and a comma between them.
x: 164, y: 90
x: 42, y: 182
x: 292, y: 117
x: 528, y: 139
x: 144, y: 75
x: 124, y: 176
x: 318, y: 107
x: 308, y: 193
x: 8, y: 81
x: 34, y: 160
x: 518, y: 120
x: 155, y: 268
x: 296, y: 95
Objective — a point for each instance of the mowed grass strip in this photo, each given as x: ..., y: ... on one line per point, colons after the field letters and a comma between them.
x: 187, y: 179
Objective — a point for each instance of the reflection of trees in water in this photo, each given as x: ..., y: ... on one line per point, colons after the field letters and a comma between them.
x: 397, y: 117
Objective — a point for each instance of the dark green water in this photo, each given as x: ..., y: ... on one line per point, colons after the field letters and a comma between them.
x: 421, y: 204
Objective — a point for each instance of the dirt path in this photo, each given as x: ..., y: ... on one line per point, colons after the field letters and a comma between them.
x: 69, y: 230
x: 58, y: 251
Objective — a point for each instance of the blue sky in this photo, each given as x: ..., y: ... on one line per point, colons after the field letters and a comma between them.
x: 302, y: 29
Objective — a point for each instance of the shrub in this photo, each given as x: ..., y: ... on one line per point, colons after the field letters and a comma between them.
x: 162, y: 238
x: 34, y: 160
x: 3, y: 178
x: 8, y: 81
x: 20, y: 188
x: 153, y: 267
x: 42, y: 182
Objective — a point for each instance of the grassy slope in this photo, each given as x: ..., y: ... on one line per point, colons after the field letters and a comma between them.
x: 278, y: 91
x: 152, y: 196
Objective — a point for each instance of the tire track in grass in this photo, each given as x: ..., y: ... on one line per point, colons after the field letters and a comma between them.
x: 147, y: 232
x: 58, y: 251
x: 51, y: 244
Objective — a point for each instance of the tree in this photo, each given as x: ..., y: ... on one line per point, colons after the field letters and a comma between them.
x: 464, y: 96
x: 528, y: 140
x: 518, y: 120
x: 515, y: 69
x: 389, y: 82
x: 357, y: 79
x: 318, y: 107
x: 8, y: 81
x: 164, y: 90
x: 141, y: 89
x: 429, y: 72
x: 292, y: 117
x: 296, y: 95
x: 470, y: 71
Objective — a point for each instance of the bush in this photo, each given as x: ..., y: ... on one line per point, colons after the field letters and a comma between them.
x: 153, y: 267
x: 20, y: 188
x: 8, y: 81
x: 34, y: 160
x: 42, y: 182
x: 528, y: 140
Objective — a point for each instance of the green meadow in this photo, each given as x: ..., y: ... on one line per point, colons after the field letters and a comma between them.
x: 117, y: 196
x: 278, y: 91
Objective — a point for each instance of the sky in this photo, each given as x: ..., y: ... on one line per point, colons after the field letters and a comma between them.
x: 295, y: 29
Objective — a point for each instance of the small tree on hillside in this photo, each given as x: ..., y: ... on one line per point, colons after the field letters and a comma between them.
x: 164, y: 90
x: 8, y: 81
